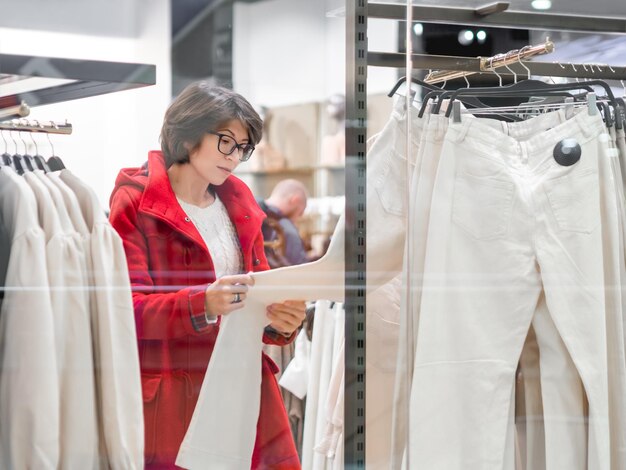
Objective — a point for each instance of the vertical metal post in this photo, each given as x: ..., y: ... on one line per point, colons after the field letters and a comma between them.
x: 355, y: 262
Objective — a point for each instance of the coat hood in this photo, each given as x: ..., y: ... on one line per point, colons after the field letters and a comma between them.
x: 153, y: 194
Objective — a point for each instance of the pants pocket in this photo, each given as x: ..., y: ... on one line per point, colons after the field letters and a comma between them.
x: 391, y: 183
x: 459, y: 415
x: 575, y: 201
x: 482, y: 206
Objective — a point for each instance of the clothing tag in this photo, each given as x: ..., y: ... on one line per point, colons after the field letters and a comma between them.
x: 567, y: 152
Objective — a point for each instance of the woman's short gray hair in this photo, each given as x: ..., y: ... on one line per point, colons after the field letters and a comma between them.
x: 199, y: 108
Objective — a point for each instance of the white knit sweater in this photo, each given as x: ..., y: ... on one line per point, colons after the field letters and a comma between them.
x: 219, y: 235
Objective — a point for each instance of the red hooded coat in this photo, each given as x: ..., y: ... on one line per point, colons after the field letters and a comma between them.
x: 170, y: 268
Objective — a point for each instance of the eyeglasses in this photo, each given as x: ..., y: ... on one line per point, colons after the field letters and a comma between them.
x: 227, y: 145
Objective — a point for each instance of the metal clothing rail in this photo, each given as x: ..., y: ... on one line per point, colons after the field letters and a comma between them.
x: 48, y: 127
x: 489, y: 64
x: 474, y: 65
x: 358, y: 57
x: 19, y: 110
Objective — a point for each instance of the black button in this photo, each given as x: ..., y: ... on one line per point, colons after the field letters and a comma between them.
x: 567, y: 152
x: 257, y: 261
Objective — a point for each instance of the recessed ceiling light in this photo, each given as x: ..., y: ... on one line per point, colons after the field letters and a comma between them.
x: 465, y: 37
x: 541, y: 4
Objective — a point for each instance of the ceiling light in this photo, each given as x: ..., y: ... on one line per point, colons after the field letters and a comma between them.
x: 481, y: 36
x: 541, y: 4
x: 418, y: 29
x: 465, y: 37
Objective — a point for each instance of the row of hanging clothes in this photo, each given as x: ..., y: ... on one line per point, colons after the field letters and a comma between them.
x: 70, y: 394
x: 501, y: 210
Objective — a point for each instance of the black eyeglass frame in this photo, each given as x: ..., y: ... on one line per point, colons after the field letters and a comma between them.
x: 236, y: 146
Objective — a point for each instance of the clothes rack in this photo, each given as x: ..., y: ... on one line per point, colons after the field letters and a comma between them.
x: 473, y: 65
x: 489, y: 64
x: 35, y: 126
x: 358, y: 59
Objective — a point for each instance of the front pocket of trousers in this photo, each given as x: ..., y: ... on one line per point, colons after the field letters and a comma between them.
x: 391, y: 183
x: 481, y: 206
x: 575, y: 201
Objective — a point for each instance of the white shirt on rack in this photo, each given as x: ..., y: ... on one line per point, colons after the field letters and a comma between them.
x: 66, y: 268
x: 114, y: 336
x: 29, y: 384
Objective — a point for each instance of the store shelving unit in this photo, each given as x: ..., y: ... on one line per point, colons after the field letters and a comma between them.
x: 358, y: 59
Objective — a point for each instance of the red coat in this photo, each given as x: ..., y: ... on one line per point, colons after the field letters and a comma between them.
x: 170, y: 268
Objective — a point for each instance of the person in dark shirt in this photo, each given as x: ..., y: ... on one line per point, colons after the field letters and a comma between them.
x: 285, y: 205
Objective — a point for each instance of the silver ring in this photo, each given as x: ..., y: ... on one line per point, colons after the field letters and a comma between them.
x: 236, y: 298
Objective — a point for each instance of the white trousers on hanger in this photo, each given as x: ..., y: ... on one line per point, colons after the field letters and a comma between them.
x: 432, y: 130
x: 118, y: 377
x: 234, y: 370
x: 615, y: 278
x: 506, y: 221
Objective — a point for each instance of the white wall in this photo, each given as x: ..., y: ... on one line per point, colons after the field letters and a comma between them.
x: 110, y: 131
x: 290, y: 52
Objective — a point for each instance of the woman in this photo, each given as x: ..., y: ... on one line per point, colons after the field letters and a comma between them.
x: 190, y: 229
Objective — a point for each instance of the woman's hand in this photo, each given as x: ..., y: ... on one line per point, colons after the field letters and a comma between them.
x: 227, y: 294
x: 287, y: 316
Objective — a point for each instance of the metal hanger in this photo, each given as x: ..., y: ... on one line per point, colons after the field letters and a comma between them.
x: 39, y: 160
x: 17, y: 158
x: 7, y: 159
x: 26, y: 157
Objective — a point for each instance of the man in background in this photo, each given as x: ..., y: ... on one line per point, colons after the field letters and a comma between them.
x: 284, y: 207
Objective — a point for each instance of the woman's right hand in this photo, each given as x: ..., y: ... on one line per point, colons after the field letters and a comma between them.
x: 227, y: 294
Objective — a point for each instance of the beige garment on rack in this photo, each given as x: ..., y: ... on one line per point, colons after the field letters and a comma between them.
x: 65, y: 258
x: 116, y: 356
x: 235, y: 366
x: 28, y: 364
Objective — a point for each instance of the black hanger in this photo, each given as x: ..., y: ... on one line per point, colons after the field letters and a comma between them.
x: 27, y: 160
x: 5, y: 158
x: 38, y: 158
x: 55, y: 163
x: 417, y: 81
x: 16, y: 158
x: 529, y: 90
x: 41, y: 163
